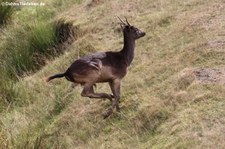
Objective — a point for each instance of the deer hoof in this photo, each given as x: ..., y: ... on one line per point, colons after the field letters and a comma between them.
x: 110, y: 111
x: 117, y: 108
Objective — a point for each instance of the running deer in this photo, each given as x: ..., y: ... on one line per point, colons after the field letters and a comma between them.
x: 102, y: 67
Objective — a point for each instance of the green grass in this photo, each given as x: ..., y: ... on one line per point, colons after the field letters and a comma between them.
x: 26, y: 55
x: 6, y: 12
x: 20, y: 54
x: 163, y: 106
x: 27, y: 44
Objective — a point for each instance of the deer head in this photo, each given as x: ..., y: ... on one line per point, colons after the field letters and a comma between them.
x: 130, y: 30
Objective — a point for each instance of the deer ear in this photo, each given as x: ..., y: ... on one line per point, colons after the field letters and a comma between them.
x: 129, y: 28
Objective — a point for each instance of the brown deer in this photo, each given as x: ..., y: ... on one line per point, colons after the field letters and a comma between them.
x: 102, y: 67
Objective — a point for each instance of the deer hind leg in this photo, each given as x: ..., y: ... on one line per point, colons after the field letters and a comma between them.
x: 115, y: 87
x: 88, y: 91
x: 73, y: 85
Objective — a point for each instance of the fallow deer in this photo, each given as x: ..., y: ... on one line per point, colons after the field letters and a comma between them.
x: 102, y: 67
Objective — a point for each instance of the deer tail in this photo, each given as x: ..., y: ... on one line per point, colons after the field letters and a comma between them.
x: 60, y: 75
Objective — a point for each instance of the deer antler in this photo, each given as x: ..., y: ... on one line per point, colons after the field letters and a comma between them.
x: 127, y: 21
x: 121, y: 20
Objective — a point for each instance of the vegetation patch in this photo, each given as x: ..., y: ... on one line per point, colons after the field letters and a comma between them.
x: 6, y: 12
x: 172, y: 96
x: 40, y: 41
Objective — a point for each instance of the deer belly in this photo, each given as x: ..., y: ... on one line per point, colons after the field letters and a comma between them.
x: 106, y: 75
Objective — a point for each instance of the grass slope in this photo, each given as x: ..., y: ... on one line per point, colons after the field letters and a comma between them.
x: 163, y: 106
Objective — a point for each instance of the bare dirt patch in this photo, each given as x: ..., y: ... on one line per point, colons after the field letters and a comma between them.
x: 201, y: 75
x: 210, y: 75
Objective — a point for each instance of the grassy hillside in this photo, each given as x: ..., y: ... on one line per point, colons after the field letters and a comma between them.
x: 165, y: 102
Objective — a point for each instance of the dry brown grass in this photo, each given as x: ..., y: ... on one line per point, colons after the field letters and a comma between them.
x: 163, y: 106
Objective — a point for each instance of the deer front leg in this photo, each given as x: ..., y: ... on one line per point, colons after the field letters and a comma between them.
x: 115, y: 87
x: 88, y: 91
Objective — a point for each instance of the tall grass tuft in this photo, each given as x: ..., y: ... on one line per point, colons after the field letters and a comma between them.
x: 22, y: 50
x: 26, y: 50
x: 28, y: 43
x: 6, y: 11
x: 64, y: 31
x: 41, y: 41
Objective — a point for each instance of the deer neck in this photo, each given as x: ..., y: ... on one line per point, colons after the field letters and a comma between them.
x: 128, y: 49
